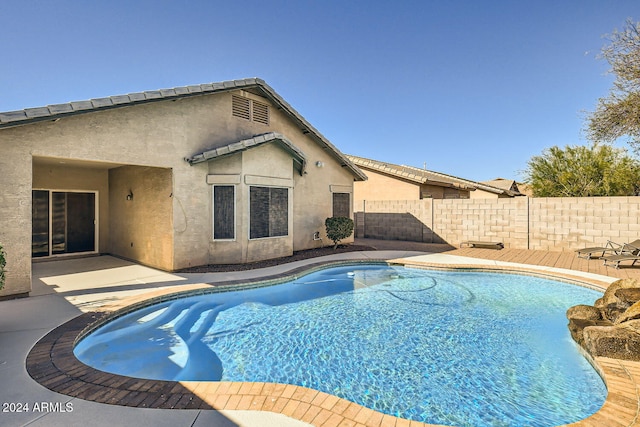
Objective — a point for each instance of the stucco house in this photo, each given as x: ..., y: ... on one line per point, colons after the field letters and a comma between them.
x: 389, y: 181
x: 225, y: 172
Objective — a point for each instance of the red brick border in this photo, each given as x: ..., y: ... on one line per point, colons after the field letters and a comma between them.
x: 52, y: 363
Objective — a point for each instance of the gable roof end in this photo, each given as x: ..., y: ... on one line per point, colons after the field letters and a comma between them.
x: 505, y: 184
x: 246, y: 144
x: 255, y: 85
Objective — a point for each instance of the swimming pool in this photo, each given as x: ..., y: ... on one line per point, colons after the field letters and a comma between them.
x: 458, y: 348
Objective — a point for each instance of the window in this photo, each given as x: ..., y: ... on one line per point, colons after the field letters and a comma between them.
x: 249, y: 109
x: 341, y: 205
x: 269, y: 212
x: 224, y: 218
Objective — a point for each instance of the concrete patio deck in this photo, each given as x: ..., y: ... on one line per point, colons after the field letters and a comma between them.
x: 65, y: 289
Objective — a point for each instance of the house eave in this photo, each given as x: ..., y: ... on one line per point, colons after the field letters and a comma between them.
x: 246, y: 144
x: 255, y: 85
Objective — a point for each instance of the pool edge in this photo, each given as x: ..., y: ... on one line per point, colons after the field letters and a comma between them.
x: 52, y: 364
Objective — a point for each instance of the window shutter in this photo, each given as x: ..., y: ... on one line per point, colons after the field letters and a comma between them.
x: 279, y: 212
x: 269, y: 212
x: 341, y: 204
x: 224, y: 212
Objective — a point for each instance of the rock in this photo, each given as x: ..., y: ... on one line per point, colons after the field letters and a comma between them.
x: 617, y: 342
x: 611, y: 328
x: 628, y: 296
x: 609, y: 296
x: 585, y: 312
x: 633, y: 325
x: 581, y: 316
x: 576, y: 327
x: 631, y: 313
x: 612, y: 311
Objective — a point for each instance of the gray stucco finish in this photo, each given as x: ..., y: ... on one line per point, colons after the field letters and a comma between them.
x: 153, y: 206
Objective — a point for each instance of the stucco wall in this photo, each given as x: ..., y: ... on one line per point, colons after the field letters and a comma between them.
x: 159, y: 135
x: 555, y: 224
x: 141, y: 215
x: 310, y: 199
x: 384, y: 187
x: 15, y: 216
x: 313, y: 197
x: 268, y: 166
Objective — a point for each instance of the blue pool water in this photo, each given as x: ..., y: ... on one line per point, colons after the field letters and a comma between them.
x: 456, y: 348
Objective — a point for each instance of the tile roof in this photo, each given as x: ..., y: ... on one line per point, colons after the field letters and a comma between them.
x: 423, y: 176
x: 246, y: 144
x: 255, y: 85
x: 505, y: 184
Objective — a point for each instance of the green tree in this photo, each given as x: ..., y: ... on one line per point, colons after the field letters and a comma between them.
x: 580, y: 171
x: 618, y: 115
x: 338, y: 228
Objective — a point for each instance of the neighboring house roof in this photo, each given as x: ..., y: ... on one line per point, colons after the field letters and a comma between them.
x: 525, y: 189
x: 253, y: 85
x: 423, y: 176
x: 245, y: 144
x: 505, y: 184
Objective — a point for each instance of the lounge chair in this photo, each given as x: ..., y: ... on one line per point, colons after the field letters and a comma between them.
x: 629, y: 252
x: 612, y: 248
x: 479, y: 244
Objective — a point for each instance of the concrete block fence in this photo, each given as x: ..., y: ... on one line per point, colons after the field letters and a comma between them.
x: 556, y: 224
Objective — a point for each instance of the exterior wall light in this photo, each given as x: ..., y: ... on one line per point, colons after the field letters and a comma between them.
x: 130, y: 195
x: 319, y: 164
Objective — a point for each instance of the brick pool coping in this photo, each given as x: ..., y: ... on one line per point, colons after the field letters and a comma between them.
x: 51, y: 363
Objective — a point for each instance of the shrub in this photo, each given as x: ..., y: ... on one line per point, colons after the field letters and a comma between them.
x: 3, y: 262
x: 338, y: 228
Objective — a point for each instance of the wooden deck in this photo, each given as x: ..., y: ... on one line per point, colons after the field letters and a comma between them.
x: 567, y: 260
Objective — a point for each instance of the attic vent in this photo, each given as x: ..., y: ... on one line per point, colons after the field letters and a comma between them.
x: 241, y: 107
x: 249, y: 109
x: 260, y: 113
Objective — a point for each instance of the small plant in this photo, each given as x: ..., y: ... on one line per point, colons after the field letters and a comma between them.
x: 338, y: 228
x: 3, y: 262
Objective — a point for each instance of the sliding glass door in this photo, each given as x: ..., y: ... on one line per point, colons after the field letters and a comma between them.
x: 40, y: 221
x: 63, y: 222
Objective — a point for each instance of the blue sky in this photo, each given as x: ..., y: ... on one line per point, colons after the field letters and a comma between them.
x: 472, y: 88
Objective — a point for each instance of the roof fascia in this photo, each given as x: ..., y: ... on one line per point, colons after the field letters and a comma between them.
x: 58, y: 111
